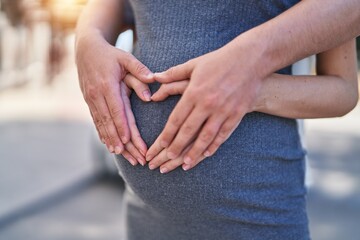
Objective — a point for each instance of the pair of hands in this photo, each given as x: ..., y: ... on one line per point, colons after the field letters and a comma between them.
x: 218, y: 90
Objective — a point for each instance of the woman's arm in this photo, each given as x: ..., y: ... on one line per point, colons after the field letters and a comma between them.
x: 333, y: 92
x: 101, y: 17
x: 101, y: 69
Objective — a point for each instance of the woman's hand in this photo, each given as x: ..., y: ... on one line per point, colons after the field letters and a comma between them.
x: 165, y: 90
x: 101, y: 68
x: 136, y: 148
x: 220, y: 92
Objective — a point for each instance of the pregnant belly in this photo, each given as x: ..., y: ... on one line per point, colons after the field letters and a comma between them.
x: 230, y: 184
x: 151, y: 117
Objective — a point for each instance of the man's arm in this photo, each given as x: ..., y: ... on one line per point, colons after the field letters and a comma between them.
x: 308, y: 28
x: 240, y: 68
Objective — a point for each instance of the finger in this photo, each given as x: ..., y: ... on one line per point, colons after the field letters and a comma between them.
x: 135, y: 67
x: 129, y: 157
x: 158, y: 160
x: 154, y: 150
x: 177, y: 73
x: 134, y: 131
x: 175, y: 121
x: 97, y: 120
x: 141, y: 89
x: 167, y: 89
x: 187, y: 132
x: 115, y: 143
x: 187, y: 167
x: 98, y: 125
x: 205, y: 138
x: 172, y: 164
x: 137, y: 156
x: 117, y: 111
x: 224, y: 133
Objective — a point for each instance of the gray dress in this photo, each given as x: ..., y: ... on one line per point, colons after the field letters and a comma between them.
x: 253, y: 187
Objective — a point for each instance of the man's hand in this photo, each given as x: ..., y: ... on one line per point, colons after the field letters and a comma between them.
x: 221, y: 91
x: 101, y: 69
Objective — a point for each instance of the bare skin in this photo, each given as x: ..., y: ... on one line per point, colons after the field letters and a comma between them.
x: 307, y: 28
x: 208, y: 113
x: 332, y: 93
x: 101, y: 68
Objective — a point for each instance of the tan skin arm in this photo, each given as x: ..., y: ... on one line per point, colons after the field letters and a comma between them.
x: 332, y: 93
x: 101, y: 69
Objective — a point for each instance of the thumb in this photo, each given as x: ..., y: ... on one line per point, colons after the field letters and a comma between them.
x: 141, y: 89
x: 177, y: 73
x: 136, y: 68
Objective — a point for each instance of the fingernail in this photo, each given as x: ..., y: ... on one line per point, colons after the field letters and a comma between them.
x: 150, y: 75
x: 147, y: 95
x: 158, y: 73
x: 164, y: 144
x: 151, y: 167
x: 171, y: 155
x: 118, y: 150
x: 186, y: 167
x: 111, y: 149
x: 163, y: 170
x: 141, y: 161
x: 133, y: 162
x: 187, y: 160
x: 103, y: 140
x: 207, y: 154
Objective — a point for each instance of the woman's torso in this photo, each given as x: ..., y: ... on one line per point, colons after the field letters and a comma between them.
x: 256, y: 177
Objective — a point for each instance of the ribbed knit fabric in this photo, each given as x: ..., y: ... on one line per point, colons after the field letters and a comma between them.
x: 253, y: 187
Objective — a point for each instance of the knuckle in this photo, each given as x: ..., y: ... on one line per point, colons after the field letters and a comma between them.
x: 125, y: 57
x: 92, y: 93
x: 210, y: 102
x: 111, y: 138
x: 105, y: 86
x: 176, y: 122
x: 239, y: 111
x: 188, y: 130
x: 98, y: 123
x: 223, y: 134
x: 139, y: 67
x: 171, y: 72
x: 106, y: 119
x: 115, y: 111
x: 206, y: 135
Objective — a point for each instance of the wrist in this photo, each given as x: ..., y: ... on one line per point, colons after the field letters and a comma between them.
x: 87, y: 40
x: 256, y: 52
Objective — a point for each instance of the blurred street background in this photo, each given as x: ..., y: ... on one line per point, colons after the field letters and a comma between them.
x: 56, y: 179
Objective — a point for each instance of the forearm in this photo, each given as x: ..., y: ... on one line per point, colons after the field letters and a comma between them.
x: 102, y: 18
x: 306, y: 96
x: 308, y: 28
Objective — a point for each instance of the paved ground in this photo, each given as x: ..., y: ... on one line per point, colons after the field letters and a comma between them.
x: 53, y: 187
